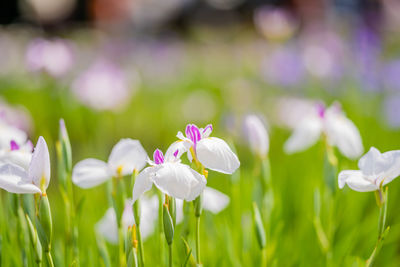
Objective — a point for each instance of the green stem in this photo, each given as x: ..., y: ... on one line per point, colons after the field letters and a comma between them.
x: 264, y: 257
x: 140, y: 246
x: 198, y: 239
x: 382, y: 232
x: 49, y: 259
x: 122, y: 261
x: 170, y: 255
x: 382, y: 217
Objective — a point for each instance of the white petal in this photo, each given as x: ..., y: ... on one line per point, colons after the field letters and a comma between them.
x: 356, y: 181
x: 107, y: 226
x: 19, y: 157
x: 143, y: 182
x: 179, y: 181
x: 306, y: 134
x: 128, y: 154
x: 127, y: 215
x: 215, y: 154
x: 214, y: 200
x: 380, y: 166
x: 14, y: 179
x: 181, y: 146
x: 257, y: 135
x: 90, y: 172
x: 149, y: 215
x: 39, y: 168
x: 342, y: 133
x: 179, y: 211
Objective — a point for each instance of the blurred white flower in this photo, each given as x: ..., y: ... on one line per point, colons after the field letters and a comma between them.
x: 15, y: 115
x: 214, y: 153
x: 54, y: 57
x: 108, y: 228
x: 36, y: 179
x: 102, y: 87
x: 331, y: 122
x: 257, y: 135
x: 376, y: 169
x: 290, y: 111
x: 214, y: 200
x: 171, y: 177
x: 126, y: 156
x: 274, y: 23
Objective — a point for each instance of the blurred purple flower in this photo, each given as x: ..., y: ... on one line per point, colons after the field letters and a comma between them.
x: 103, y: 86
x: 16, y: 116
x: 54, y: 57
x: 367, y: 50
x: 324, y: 54
x: 391, y: 75
x: 391, y: 110
x: 283, y: 67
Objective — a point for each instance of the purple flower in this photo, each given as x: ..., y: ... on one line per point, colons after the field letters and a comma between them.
x: 367, y: 52
x: 54, y: 57
x: 103, y: 86
x: 391, y: 75
x: 391, y: 110
x: 283, y: 67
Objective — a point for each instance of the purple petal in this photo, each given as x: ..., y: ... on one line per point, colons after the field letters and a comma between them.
x: 158, y: 157
x: 13, y: 145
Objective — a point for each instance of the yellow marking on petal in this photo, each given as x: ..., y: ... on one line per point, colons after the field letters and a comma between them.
x: 43, y: 184
x: 119, y: 170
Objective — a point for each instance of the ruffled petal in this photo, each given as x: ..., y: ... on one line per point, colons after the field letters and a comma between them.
x: 356, y: 181
x: 39, y: 168
x: 182, y: 146
x: 127, y: 154
x: 306, y: 134
x: 380, y: 166
x: 14, y: 179
x: 90, y: 172
x: 214, y: 200
x: 143, y: 182
x: 179, y: 181
x: 215, y: 154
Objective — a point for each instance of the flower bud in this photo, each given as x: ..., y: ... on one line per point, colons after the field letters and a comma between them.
x: 45, y: 225
x: 172, y: 209
x: 198, y: 205
x: 168, y: 225
x: 257, y: 135
x: 259, y: 227
x: 34, y: 240
x: 65, y: 146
